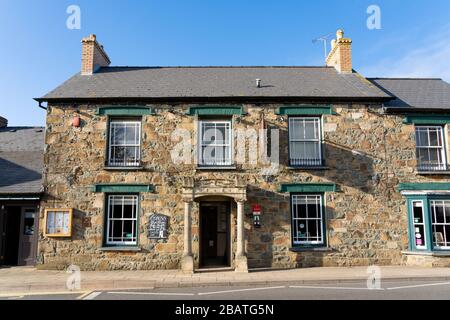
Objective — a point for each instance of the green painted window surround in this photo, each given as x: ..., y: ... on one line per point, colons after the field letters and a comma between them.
x: 304, y: 110
x: 427, y: 119
x: 428, y: 229
x: 128, y: 188
x: 216, y: 110
x: 125, y: 110
x: 307, y: 187
x: 428, y: 186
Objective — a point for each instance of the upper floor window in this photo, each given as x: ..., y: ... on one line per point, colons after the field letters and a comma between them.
x: 215, y: 143
x: 308, y: 223
x: 305, y: 145
x: 124, y: 143
x: 430, y: 148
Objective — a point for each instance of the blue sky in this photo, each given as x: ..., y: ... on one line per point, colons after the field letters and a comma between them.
x: 39, y: 52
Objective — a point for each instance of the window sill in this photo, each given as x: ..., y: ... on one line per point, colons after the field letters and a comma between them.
x: 442, y: 253
x: 111, y: 168
x: 308, y: 168
x: 217, y: 168
x: 122, y: 248
x: 310, y: 249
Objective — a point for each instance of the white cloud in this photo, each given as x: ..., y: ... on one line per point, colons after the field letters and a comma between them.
x: 431, y: 58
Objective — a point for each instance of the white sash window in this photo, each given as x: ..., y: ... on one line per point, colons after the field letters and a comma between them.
x: 440, y: 223
x: 121, y: 228
x: 430, y: 148
x: 215, y: 143
x: 305, y: 146
x: 124, y: 143
x: 307, y: 220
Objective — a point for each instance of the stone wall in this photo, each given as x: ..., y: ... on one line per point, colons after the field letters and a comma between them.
x: 367, y: 154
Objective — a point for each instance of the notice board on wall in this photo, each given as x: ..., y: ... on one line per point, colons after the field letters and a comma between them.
x: 157, y: 226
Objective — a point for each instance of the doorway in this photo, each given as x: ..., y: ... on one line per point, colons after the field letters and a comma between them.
x: 18, y: 236
x: 215, y: 234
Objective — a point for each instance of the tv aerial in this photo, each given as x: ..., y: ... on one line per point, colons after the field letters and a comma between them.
x: 324, y: 39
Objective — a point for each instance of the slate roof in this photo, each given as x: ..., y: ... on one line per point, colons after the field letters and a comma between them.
x: 223, y: 82
x: 415, y: 93
x: 21, y: 160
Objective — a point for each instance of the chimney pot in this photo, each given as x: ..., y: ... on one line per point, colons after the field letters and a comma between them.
x: 340, y: 56
x: 258, y: 83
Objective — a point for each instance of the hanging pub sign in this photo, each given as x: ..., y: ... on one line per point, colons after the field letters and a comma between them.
x: 256, y: 211
x: 157, y: 226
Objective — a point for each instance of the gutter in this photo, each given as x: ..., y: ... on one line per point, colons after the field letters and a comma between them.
x: 409, y: 109
x: 18, y: 198
x: 239, y: 99
x: 21, y: 196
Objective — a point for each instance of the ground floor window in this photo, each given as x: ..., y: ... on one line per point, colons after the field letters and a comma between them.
x: 429, y: 222
x: 440, y: 223
x: 307, y: 220
x: 122, y: 217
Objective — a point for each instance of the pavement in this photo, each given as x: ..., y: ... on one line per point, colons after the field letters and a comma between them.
x: 29, y: 281
x: 387, y: 290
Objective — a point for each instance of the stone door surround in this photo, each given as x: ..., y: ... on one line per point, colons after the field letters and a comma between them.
x: 195, y: 189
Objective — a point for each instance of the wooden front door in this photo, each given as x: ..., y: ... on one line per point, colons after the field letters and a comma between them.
x: 214, y: 234
x: 28, y: 236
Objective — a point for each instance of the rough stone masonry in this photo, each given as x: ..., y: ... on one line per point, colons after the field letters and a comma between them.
x: 367, y: 154
x: 367, y: 151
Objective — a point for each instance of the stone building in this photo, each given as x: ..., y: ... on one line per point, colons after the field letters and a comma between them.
x: 244, y: 167
x: 21, y: 153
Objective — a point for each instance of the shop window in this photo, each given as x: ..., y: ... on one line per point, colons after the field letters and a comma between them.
x: 429, y: 218
x: 440, y: 223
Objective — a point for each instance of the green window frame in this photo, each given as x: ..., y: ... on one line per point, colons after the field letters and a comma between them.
x: 110, y: 239
x: 224, y: 148
x: 305, y: 148
x: 430, y: 230
x: 126, y: 153
x: 431, y: 152
x: 305, y: 241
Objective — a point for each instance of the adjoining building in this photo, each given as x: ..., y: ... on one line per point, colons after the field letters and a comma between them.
x: 21, y: 162
x: 244, y: 167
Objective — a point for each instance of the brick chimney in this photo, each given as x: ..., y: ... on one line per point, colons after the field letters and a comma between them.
x: 340, y: 56
x: 93, y: 56
x: 3, y: 122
